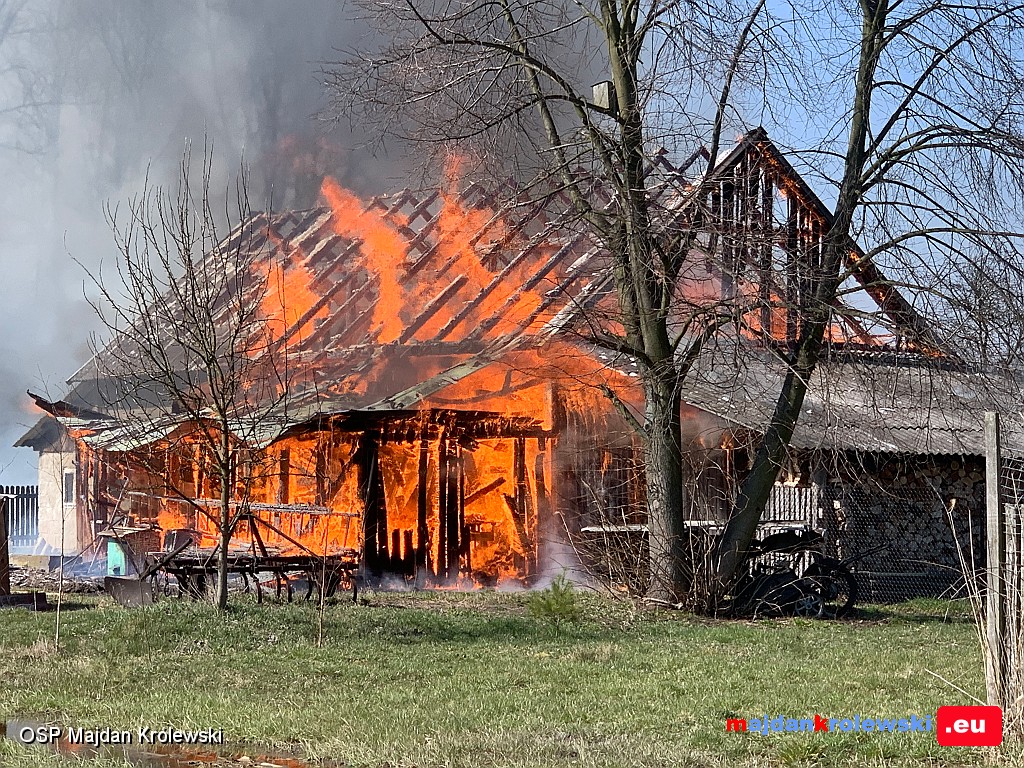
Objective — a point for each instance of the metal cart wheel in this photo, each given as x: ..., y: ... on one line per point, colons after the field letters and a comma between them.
x: 836, y: 585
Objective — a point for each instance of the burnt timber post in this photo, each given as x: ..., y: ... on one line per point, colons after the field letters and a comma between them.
x: 545, y: 507
x: 456, y: 513
x: 5, y: 560
x: 375, y: 521
x: 464, y: 539
x: 441, y: 566
x: 422, y: 497
x: 523, y: 502
x: 450, y: 495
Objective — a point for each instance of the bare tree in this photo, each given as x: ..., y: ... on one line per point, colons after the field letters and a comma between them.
x: 983, y: 311
x: 923, y: 158
x: 502, y: 82
x: 30, y: 91
x: 930, y: 163
x: 193, y: 376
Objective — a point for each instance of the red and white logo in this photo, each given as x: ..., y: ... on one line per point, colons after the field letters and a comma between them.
x: 969, y: 726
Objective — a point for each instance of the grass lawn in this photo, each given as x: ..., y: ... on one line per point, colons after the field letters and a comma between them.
x: 481, y: 680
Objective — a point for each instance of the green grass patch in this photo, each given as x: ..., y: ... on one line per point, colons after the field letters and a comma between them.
x: 23, y: 757
x: 485, y: 680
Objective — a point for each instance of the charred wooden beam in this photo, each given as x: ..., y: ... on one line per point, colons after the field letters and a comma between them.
x: 514, y: 512
x: 545, y: 507
x: 375, y: 521
x: 499, y: 279
x: 408, y: 553
x: 422, y: 532
x: 496, y: 483
x: 431, y: 348
x: 402, y: 423
x: 534, y: 280
x: 325, y: 298
x: 320, y: 474
x: 519, y: 473
x: 441, y: 569
x: 451, y: 497
x: 453, y: 513
x: 254, y: 506
x: 793, y: 276
x: 761, y: 186
x: 343, y: 331
x: 431, y: 309
x: 416, y: 393
x: 523, y: 498
x: 464, y: 540
x: 858, y: 328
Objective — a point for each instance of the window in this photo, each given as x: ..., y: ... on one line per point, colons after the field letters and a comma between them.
x: 69, y: 486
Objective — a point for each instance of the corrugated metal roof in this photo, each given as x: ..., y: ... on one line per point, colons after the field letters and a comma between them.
x: 40, y: 435
x: 916, y: 407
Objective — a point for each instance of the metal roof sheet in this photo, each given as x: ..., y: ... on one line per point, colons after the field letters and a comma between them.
x: 914, y: 407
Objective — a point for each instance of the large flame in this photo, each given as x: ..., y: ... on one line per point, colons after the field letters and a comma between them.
x: 383, y: 248
x: 463, y: 258
x: 288, y: 297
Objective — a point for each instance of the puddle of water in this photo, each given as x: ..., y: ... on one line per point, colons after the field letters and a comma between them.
x: 56, y: 738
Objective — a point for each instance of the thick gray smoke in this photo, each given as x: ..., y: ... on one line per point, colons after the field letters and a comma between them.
x: 93, y: 94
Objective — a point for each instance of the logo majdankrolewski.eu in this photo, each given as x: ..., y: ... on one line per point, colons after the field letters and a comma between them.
x: 856, y: 724
x: 99, y: 737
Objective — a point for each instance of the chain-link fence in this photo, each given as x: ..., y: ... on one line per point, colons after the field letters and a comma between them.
x: 902, y: 534
x: 1011, y: 475
x: 905, y: 543
x: 900, y: 543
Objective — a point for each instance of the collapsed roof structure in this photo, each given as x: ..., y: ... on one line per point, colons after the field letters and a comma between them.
x: 446, y: 402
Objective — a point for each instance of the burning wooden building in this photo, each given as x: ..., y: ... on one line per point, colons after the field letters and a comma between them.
x: 449, y: 418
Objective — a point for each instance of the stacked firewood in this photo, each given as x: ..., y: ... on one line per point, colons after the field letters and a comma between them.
x: 42, y: 580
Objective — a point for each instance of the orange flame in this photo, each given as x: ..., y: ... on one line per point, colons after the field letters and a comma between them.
x: 383, y: 248
x: 288, y: 295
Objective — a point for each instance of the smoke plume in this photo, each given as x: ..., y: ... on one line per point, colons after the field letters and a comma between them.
x: 102, y: 93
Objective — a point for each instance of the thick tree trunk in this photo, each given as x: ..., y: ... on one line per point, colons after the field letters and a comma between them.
x: 663, y: 460
x: 768, y: 461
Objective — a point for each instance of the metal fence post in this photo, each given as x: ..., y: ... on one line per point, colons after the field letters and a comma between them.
x: 5, y: 560
x: 995, y: 564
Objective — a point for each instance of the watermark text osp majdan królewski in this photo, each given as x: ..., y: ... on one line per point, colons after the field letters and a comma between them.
x: 101, y: 737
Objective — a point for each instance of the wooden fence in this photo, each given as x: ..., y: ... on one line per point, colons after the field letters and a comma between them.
x: 22, y: 515
x: 793, y: 504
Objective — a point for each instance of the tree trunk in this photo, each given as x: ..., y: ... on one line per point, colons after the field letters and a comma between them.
x: 742, y: 526
x: 225, y: 538
x: 226, y: 466
x: 663, y: 459
x: 768, y: 461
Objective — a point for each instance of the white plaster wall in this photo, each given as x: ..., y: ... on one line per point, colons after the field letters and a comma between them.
x: 52, y: 507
